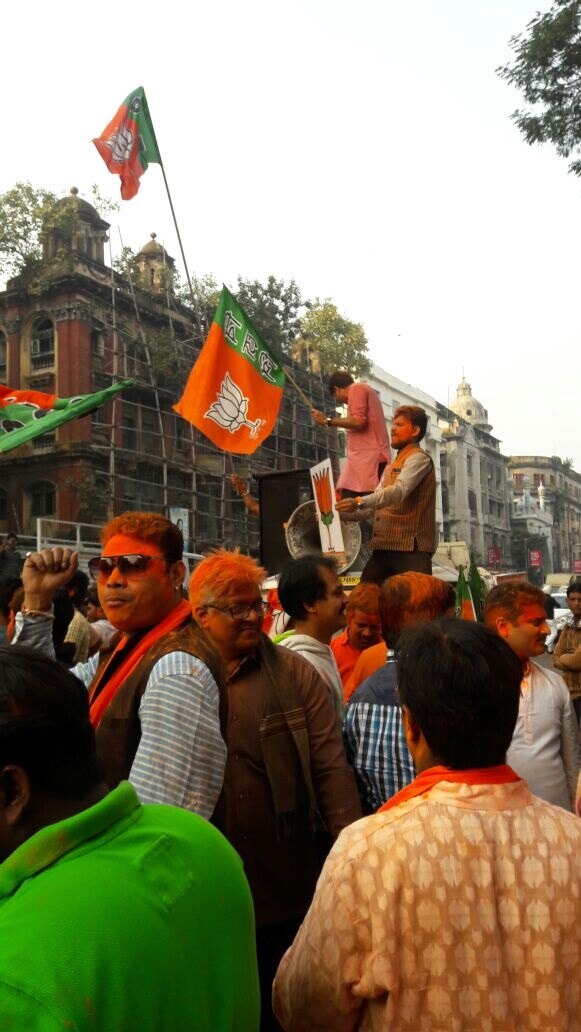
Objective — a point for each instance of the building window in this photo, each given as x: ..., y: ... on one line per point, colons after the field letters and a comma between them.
x: 42, y: 345
x: 469, y: 464
x: 518, y: 480
x: 472, y: 503
x: 3, y: 356
x: 42, y: 499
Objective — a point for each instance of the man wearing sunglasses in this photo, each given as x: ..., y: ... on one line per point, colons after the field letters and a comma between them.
x: 286, y: 772
x: 154, y: 697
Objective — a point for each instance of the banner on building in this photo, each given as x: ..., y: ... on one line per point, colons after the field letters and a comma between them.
x: 535, y: 558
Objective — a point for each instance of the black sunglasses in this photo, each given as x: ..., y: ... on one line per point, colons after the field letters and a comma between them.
x: 103, y: 565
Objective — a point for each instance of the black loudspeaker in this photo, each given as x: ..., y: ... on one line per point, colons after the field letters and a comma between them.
x: 279, y: 495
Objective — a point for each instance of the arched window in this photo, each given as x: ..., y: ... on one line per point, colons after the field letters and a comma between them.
x: 3, y: 356
x: 42, y: 495
x: 42, y: 345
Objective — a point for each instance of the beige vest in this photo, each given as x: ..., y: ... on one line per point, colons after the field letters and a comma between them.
x: 411, y: 525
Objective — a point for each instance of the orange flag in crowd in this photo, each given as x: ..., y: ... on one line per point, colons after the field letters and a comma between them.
x: 234, y: 391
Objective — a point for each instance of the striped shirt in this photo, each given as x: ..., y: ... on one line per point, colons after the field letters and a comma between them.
x: 375, y: 740
x: 181, y: 755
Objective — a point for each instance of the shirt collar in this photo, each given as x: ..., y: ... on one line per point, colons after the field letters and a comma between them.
x: 56, y: 840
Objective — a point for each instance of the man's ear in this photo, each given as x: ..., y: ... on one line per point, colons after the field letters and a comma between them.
x: 411, y: 728
x: 503, y: 626
x: 200, y: 615
x: 177, y: 574
x: 15, y: 792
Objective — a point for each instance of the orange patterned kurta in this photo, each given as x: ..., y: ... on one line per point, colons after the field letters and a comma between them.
x: 458, y: 910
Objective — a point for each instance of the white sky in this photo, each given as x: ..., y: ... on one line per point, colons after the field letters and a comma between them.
x: 363, y: 147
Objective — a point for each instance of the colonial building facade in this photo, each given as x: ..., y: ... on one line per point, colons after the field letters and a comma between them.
x: 71, y: 326
x: 555, y: 487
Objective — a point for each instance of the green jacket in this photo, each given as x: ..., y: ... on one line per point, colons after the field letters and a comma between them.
x: 127, y: 918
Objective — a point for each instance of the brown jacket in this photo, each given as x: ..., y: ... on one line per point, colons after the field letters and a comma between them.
x: 567, y: 660
x: 410, y: 525
x: 282, y: 869
x: 119, y: 732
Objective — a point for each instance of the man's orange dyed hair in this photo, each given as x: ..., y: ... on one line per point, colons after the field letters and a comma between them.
x: 412, y: 598
x: 221, y: 574
x: 365, y: 599
x: 148, y: 526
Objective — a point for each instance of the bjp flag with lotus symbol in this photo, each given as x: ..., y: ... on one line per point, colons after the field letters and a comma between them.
x: 234, y: 391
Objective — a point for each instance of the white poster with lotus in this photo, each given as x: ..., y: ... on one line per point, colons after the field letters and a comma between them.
x: 330, y: 531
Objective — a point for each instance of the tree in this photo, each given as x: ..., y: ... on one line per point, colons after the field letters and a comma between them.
x: 274, y: 309
x: 547, y: 70
x: 339, y: 343
x: 24, y: 212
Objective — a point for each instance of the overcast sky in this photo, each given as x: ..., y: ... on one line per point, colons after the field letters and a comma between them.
x: 363, y: 147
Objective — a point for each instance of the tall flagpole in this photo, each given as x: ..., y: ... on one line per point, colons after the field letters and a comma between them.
x: 175, y: 222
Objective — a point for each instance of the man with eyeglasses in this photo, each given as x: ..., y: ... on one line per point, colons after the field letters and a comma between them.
x: 286, y: 771
x: 154, y: 695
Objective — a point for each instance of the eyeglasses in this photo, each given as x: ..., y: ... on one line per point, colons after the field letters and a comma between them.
x: 241, y: 611
x: 128, y: 565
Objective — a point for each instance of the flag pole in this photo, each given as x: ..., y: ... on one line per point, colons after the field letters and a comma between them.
x: 301, y: 394
x: 175, y: 222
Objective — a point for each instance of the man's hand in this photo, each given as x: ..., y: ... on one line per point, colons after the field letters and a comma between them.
x: 44, y: 573
x: 319, y: 417
x: 346, y: 505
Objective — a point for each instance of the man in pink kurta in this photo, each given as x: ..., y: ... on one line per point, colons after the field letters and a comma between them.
x: 367, y: 439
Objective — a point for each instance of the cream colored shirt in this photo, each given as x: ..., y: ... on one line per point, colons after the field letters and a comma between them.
x: 457, y: 911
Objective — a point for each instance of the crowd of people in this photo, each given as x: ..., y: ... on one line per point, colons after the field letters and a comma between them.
x: 370, y: 820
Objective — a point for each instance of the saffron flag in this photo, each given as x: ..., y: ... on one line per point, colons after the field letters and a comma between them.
x: 464, y: 604
x: 28, y: 414
x: 128, y: 144
x: 234, y: 391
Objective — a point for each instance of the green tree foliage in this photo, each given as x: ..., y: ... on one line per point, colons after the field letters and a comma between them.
x: 547, y: 71
x: 274, y: 308
x: 24, y: 212
x: 340, y: 343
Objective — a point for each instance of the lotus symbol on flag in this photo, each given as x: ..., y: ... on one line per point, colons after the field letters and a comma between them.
x: 230, y: 408
x: 121, y: 144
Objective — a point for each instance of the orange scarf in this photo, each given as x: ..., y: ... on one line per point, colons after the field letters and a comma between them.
x: 173, y: 620
x: 501, y: 775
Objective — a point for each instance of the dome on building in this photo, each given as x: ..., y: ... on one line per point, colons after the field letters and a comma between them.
x: 469, y: 408
x: 85, y: 211
x: 155, y: 250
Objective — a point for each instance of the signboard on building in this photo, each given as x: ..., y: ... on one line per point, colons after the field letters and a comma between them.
x: 535, y: 558
x: 494, y: 556
x: 181, y: 518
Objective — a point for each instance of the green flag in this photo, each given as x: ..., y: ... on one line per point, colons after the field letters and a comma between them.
x: 464, y: 604
x: 28, y: 414
x: 477, y: 588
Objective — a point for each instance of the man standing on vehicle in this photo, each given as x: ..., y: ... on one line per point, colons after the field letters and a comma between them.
x: 367, y: 442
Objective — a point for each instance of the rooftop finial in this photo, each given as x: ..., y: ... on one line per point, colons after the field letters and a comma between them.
x: 74, y: 190
x: 153, y: 235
